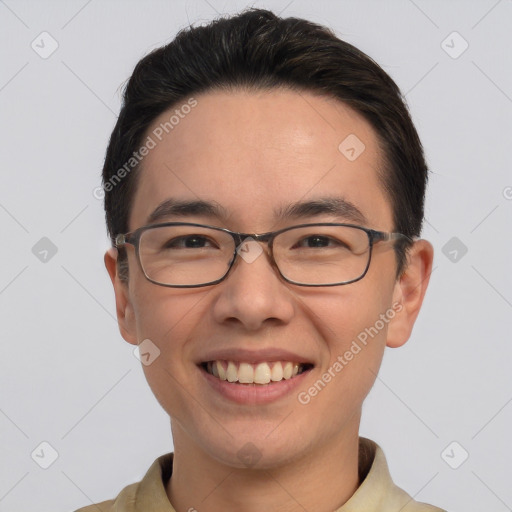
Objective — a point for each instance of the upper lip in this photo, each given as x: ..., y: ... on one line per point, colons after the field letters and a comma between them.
x: 254, y: 356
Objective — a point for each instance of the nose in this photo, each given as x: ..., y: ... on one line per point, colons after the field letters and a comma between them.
x: 253, y: 295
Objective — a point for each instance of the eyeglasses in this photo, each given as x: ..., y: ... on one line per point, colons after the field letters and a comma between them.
x: 188, y: 255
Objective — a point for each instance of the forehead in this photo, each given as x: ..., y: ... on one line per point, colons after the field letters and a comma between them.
x: 257, y: 152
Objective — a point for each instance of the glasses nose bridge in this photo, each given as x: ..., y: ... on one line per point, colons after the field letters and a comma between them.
x: 264, y: 237
x: 239, y: 238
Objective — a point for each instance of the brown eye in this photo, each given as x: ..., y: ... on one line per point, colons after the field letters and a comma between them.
x: 188, y: 242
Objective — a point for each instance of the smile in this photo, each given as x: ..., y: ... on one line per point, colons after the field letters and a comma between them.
x: 263, y: 373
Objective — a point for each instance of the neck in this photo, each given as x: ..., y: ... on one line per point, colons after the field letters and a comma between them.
x: 321, y: 480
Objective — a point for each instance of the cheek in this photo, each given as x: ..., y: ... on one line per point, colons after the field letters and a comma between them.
x: 167, y: 319
x: 353, y: 328
x: 166, y: 315
x: 345, y: 314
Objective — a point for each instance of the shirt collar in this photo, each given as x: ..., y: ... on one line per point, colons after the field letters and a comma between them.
x: 376, y: 493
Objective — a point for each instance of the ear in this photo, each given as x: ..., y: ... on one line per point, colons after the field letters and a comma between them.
x: 124, y: 308
x: 409, y: 292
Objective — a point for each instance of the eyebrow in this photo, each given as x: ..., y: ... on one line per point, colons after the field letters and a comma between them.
x: 336, y: 206
x: 177, y: 208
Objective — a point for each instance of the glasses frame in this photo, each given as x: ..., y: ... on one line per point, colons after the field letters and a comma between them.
x: 374, y: 237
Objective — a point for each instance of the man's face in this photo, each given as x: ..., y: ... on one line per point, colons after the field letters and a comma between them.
x: 253, y: 153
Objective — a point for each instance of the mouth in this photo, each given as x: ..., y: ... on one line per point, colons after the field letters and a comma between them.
x: 249, y: 374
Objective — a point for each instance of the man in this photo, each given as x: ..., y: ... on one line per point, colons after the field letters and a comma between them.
x: 264, y: 196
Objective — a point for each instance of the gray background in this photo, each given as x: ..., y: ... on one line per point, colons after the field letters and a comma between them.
x: 67, y: 377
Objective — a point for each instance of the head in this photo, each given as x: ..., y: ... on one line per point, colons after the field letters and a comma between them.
x: 250, y: 114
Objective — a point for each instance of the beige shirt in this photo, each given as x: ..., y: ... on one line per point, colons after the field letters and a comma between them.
x: 377, y: 492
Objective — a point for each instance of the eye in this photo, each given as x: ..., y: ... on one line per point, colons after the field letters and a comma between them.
x: 314, y: 241
x: 320, y: 241
x: 189, y: 242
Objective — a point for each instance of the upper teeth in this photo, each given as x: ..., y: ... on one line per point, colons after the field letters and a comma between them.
x: 247, y: 373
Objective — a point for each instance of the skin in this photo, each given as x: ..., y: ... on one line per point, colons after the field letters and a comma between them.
x: 250, y: 152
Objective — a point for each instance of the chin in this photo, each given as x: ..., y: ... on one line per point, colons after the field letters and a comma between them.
x: 257, y: 452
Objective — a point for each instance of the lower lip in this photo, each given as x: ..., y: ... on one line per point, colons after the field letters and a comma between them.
x: 254, y: 394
